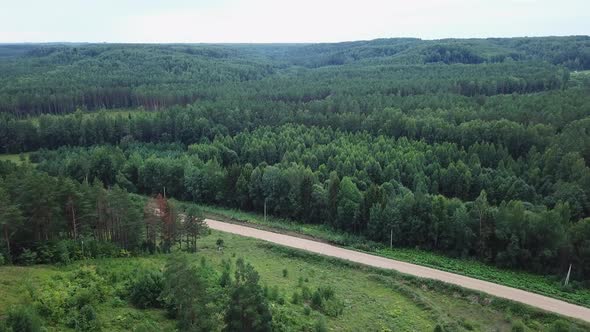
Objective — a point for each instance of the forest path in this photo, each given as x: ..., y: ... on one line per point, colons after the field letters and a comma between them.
x: 514, y: 294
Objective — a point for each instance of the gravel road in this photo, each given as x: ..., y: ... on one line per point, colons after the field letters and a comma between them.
x: 532, y: 299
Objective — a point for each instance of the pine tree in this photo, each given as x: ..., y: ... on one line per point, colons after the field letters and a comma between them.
x: 248, y: 308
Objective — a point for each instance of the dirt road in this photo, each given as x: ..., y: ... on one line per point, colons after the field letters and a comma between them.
x: 532, y: 299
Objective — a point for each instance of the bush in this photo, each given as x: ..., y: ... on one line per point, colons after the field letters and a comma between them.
x: 86, y: 320
x: 27, y: 257
x: 306, y: 310
x: 317, y: 302
x: 23, y: 320
x: 46, y: 254
x: 324, y: 299
x: 62, y: 253
x: 2, y: 260
x: 300, y: 282
x: 219, y: 243
x: 100, y: 249
x: 333, y: 307
x: 560, y: 326
x: 285, y: 273
x: 518, y: 327
x: 296, y: 298
x: 320, y: 325
x: 326, y: 292
x: 145, y: 291
x: 273, y: 294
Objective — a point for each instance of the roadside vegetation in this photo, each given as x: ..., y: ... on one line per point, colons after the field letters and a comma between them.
x: 147, y: 293
x: 552, y: 286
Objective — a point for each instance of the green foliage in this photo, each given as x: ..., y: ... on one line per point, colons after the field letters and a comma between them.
x: 248, y: 309
x: 324, y: 300
x: 27, y: 257
x: 220, y: 243
x: 518, y: 327
x: 320, y: 325
x: 411, y: 303
x: 190, y: 294
x: 548, y: 285
x: 23, y: 319
x: 471, y: 149
x: 87, y: 320
x: 145, y: 291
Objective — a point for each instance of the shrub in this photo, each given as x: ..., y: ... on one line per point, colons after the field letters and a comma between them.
x: 285, y: 273
x: 23, y: 319
x: 2, y: 260
x: 100, y: 249
x: 306, y: 310
x: 333, y: 307
x: 300, y: 282
x: 225, y: 279
x: 145, y: 291
x: 324, y: 299
x: 320, y: 325
x: 92, y: 287
x: 560, y: 326
x: 296, y: 298
x: 273, y: 294
x: 46, y: 254
x: 86, y: 320
x: 305, y: 293
x: 62, y: 253
x: 518, y: 327
x: 27, y: 257
x: 326, y: 292
x: 317, y: 302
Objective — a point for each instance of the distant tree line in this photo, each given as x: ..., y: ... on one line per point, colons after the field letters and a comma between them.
x: 60, y: 79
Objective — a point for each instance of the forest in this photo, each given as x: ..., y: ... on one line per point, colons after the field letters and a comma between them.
x: 473, y: 148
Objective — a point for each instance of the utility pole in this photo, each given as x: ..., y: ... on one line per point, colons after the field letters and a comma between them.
x: 391, y: 239
x: 567, y: 278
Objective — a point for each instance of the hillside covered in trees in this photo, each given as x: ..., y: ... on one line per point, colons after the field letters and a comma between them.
x: 475, y: 148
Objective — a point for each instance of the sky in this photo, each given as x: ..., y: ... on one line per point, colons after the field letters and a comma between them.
x: 288, y: 21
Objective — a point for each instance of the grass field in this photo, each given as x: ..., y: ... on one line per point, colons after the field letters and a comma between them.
x: 15, y: 158
x: 373, y: 300
x: 546, y: 285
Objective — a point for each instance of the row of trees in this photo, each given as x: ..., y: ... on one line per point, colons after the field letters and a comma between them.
x: 540, y: 178
x: 325, y: 177
x: 57, y: 219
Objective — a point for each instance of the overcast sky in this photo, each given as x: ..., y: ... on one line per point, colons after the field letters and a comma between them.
x: 264, y: 21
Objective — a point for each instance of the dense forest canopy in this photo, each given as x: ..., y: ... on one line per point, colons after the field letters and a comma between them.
x: 470, y: 147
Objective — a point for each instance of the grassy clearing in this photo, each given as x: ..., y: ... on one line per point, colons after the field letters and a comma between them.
x: 374, y: 300
x: 545, y: 285
x: 15, y: 158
